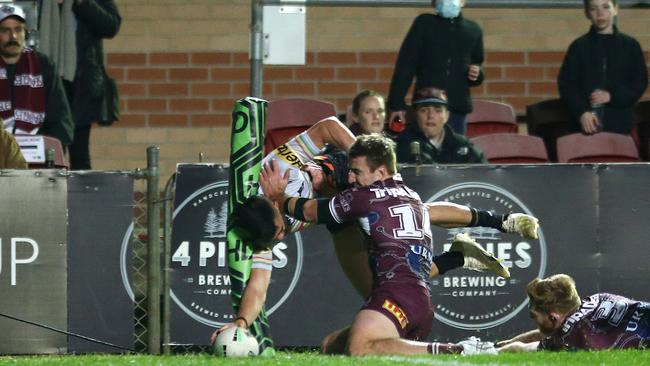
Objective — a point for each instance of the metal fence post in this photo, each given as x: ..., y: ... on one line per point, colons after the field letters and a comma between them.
x: 257, y: 48
x: 168, y: 198
x: 153, y: 251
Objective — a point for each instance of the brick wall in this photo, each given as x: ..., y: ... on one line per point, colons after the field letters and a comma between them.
x: 198, y: 89
x: 182, y: 102
x: 181, y: 65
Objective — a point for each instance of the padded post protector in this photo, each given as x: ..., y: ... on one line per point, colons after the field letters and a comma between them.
x: 246, y: 154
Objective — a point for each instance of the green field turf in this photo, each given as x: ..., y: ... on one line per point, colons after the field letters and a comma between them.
x: 618, y: 358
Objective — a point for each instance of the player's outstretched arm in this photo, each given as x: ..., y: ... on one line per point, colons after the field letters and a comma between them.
x: 447, y: 214
x: 519, y: 347
x: 303, y: 209
x: 526, y: 337
x: 251, y: 303
x: 331, y: 131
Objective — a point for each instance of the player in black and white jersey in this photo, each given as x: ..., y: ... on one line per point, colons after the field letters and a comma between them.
x: 307, y: 172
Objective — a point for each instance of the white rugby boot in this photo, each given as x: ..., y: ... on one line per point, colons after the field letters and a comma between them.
x: 476, y: 258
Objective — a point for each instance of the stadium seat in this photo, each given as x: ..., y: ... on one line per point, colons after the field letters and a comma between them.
x: 603, y: 147
x: 642, y: 127
x: 286, y: 118
x: 509, y: 148
x: 491, y: 117
x: 549, y: 119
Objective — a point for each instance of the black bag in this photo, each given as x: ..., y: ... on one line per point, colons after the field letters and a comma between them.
x: 110, y: 107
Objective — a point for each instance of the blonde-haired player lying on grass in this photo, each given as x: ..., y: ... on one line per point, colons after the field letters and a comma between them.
x: 566, y: 322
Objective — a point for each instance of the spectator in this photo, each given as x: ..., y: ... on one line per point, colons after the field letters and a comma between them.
x: 368, y: 113
x: 438, y: 143
x: 76, y: 41
x: 10, y: 155
x: 443, y: 50
x: 32, y: 100
x: 603, y: 74
x: 567, y: 323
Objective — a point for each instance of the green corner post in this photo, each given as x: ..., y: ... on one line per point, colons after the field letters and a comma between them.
x: 246, y: 154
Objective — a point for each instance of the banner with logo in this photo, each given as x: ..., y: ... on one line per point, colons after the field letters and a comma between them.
x: 200, y: 285
x: 100, y: 211
x: 33, y: 266
x: 576, y: 206
x: 592, y: 223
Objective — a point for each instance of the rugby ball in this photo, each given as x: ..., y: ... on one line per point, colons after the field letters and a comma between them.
x: 236, y: 342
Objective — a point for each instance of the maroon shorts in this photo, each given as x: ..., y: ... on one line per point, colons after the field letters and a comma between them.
x: 408, y: 307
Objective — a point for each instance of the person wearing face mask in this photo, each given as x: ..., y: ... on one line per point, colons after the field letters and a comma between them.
x: 438, y: 143
x: 603, y: 74
x: 444, y: 50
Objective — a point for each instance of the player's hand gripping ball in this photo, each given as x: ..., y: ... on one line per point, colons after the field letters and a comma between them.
x: 236, y: 342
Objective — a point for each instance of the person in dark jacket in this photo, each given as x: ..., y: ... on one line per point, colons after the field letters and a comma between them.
x: 603, y: 74
x: 32, y: 99
x: 72, y: 32
x: 443, y: 50
x: 437, y: 142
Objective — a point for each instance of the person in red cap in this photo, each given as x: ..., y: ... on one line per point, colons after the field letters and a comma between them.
x: 32, y: 99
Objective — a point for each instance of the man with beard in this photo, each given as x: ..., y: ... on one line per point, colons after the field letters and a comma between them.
x: 32, y: 100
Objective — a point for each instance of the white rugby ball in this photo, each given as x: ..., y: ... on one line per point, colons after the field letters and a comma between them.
x: 236, y: 342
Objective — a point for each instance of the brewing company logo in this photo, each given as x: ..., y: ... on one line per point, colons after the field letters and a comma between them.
x: 478, y: 300
x: 200, y: 279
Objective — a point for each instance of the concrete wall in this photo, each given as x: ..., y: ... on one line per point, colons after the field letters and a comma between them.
x: 180, y: 65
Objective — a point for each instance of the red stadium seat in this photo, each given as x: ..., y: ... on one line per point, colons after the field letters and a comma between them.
x: 603, y: 147
x: 549, y: 119
x: 509, y: 148
x: 642, y: 128
x: 285, y: 118
x: 490, y: 117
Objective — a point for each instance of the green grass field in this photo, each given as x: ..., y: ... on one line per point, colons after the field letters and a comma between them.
x: 619, y: 358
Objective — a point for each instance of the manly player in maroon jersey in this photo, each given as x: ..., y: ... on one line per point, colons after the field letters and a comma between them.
x: 565, y: 322
x: 398, y: 313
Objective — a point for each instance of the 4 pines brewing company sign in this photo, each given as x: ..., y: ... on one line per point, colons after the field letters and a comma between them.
x: 478, y: 300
